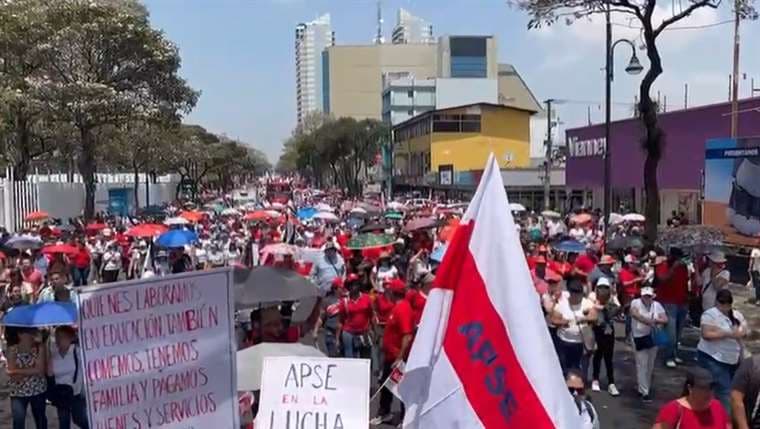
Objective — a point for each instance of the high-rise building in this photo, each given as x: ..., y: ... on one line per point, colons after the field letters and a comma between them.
x: 311, y: 39
x: 411, y: 29
x: 467, y: 57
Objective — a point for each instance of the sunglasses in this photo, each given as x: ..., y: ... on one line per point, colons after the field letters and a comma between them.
x: 576, y: 391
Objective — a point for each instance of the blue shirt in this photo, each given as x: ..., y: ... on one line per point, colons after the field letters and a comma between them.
x: 324, y: 272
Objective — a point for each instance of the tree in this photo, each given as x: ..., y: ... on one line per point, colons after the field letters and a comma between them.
x: 106, y: 66
x: 548, y: 12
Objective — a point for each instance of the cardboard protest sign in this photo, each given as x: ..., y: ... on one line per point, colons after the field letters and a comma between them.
x: 299, y: 393
x: 159, y: 352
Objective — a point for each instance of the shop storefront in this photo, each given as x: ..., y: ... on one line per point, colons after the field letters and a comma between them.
x: 681, y: 167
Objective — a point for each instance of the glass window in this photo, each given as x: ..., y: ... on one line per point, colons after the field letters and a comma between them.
x: 445, y: 127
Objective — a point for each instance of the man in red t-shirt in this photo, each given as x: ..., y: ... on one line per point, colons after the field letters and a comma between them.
x: 672, y: 285
x: 81, y: 264
x: 397, y: 341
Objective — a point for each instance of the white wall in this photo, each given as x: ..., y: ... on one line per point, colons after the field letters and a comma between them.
x: 61, y: 200
x: 457, y: 92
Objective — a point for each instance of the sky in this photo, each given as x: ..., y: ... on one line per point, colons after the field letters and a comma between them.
x: 240, y: 55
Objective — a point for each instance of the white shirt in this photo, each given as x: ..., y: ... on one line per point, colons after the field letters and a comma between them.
x: 382, y: 274
x: 111, y: 261
x: 654, y: 311
x: 726, y: 350
x: 572, y: 332
x: 754, y: 260
x: 577, y: 233
x: 65, y: 366
x: 709, y: 292
x: 200, y: 255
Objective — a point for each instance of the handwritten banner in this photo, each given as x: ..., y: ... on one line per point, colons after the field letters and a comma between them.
x: 326, y: 393
x: 159, y: 352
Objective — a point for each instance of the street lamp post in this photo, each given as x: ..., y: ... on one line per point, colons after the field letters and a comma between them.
x: 634, y: 67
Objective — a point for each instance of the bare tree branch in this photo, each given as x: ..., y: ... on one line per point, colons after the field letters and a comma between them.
x: 684, y: 13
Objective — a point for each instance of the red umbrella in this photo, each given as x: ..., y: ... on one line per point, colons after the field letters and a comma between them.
x: 60, y: 248
x: 36, y: 216
x: 146, y: 230
x: 259, y: 215
x: 421, y: 223
x: 96, y: 227
x: 192, y: 216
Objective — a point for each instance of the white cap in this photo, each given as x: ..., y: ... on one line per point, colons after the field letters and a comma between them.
x: 647, y: 291
x: 603, y: 281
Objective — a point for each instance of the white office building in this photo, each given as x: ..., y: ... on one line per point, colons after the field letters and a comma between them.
x: 311, y: 39
x: 411, y: 29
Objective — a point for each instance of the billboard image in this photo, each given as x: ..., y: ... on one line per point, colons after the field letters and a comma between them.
x: 732, y: 189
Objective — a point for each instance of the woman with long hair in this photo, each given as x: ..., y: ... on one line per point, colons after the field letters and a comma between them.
x: 26, y: 370
x: 696, y: 408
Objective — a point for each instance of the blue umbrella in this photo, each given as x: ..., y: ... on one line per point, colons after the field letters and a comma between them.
x: 306, y: 213
x: 176, y: 238
x: 438, y: 252
x: 570, y: 246
x: 41, y: 315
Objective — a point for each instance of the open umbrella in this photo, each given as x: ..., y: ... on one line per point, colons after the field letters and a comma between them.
x: 230, y: 212
x: 93, y: 228
x: 146, y: 230
x: 192, y: 216
x: 421, y: 223
x: 250, y: 361
x: 175, y: 221
x: 622, y: 243
x: 369, y: 241
x: 326, y: 216
x: 551, y: 214
x: 691, y: 238
x: 306, y: 213
x: 569, y: 246
x: 394, y: 216
x: 279, y: 249
x: 24, y: 242
x: 615, y: 218
x: 36, y: 216
x: 258, y: 215
x: 322, y: 207
x: 581, y: 218
x: 267, y: 284
x: 60, y: 248
x: 358, y: 211
x: 176, y: 238
x: 374, y: 227
x: 41, y: 315
x: 634, y: 217
x: 396, y: 206
x: 516, y: 207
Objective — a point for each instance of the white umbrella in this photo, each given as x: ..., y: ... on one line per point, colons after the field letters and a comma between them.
x: 277, y: 206
x: 634, y: 217
x: 397, y: 206
x: 24, y: 242
x: 615, y: 218
x: 230, y: 212
x: 322, y: 207
x: 326, y: 216
x: 516, y: 207
x: 176, y: 221
x: 250, y: 361
x: 550, y: 213
x: 358, y: 210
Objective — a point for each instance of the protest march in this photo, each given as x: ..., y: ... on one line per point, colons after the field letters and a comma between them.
x: 330, y: 313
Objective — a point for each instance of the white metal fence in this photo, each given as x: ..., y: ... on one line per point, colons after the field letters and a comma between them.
x: 63, y: 199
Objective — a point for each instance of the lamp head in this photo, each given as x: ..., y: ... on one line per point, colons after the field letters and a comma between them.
x: 634, y: 66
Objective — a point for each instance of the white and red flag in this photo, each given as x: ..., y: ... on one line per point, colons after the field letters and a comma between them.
x: 482, y: 356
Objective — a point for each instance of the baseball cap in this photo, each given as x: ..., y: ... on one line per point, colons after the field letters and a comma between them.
x: 603, y: 282
x: 647, y: 291
x: 395, y: 285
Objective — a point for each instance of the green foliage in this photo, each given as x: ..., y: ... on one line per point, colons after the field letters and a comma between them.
x: 334, y: 152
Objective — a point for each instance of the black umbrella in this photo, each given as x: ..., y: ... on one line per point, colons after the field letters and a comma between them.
x: 270, y: 285
x: 374, y: 227
x: 622, y: 243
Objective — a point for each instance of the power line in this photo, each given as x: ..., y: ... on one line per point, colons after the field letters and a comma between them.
x: 684, y: 27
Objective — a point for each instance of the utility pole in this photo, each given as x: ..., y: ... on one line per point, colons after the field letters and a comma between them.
x: 686, y: 96
x: 607, y: 119
x: 548, y: 157
x: 735, y: 80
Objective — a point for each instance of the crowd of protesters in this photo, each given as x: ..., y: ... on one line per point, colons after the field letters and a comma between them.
x: 372, y: 297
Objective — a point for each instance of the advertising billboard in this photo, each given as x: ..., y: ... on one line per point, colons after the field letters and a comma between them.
x: 732, y: 189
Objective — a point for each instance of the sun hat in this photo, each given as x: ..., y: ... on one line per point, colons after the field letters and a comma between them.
x: 717, y: 256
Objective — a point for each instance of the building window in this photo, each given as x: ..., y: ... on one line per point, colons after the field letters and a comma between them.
x: 410, y: 93
x: 443, y: 123
x: 469, y: 56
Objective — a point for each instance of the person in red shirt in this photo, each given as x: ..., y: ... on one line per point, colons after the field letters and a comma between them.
x: 585, y: 263
x: 696, y: 408
x: 630, y: 287
x: 417, y: 296
x: 81, y: 261
x: 397, y: 341
x: 356, y: 319
x: 672, y: 285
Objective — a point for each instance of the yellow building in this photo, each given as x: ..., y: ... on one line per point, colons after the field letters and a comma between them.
x: 459, y: 139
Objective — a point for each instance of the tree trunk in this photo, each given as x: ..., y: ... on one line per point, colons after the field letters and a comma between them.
x: 136, y: 171
x: 87, y: 168
x: 653, y: 140
x: 23, y: 137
